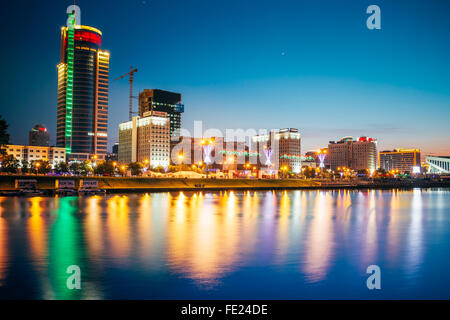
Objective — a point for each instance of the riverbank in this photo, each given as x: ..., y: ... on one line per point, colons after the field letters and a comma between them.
x: 141, y: 184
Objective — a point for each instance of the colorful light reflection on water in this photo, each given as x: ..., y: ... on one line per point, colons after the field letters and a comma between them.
x: 240, y: 245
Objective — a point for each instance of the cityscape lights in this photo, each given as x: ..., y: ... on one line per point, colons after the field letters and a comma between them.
x: 322, y: 155
x: 268, y: 154
x: 208, y: 147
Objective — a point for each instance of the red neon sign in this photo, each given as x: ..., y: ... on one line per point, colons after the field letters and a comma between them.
x: 87, y: 36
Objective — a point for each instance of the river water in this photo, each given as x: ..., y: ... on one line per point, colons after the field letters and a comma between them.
x: 228, y: 245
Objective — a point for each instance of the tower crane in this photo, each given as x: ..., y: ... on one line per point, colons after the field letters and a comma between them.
x: 131, y: 75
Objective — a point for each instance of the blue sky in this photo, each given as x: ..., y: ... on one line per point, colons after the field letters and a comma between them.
x: 312, y: 65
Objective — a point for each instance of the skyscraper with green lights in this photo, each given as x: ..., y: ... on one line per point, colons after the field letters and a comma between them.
x: 83, y: 83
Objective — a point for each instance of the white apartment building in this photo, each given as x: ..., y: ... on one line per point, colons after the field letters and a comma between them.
x: 37, y: 153
x: 145, y: 140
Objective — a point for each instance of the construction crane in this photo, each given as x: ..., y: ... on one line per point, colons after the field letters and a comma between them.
x: 131, y: 74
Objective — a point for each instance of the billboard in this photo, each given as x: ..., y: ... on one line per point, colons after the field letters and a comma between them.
x: 65, y: 184
x: 25, y: 184
x: 89, y: 184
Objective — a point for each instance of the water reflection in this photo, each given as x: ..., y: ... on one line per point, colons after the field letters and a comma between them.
x: 214, y: 240
x: 118, y: 237
x: 203, y: 238
x: 37, y: 232
x: 415, y: 238
x: 3, y: 243
x: 319, y: 243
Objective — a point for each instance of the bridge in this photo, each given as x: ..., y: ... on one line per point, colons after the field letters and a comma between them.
x: 438, y: 165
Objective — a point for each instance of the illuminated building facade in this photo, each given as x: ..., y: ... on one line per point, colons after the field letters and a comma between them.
x: 163, y: 101
x: 289, y: 149
x: 403, y: 160
x: 36, y: 153
x: 359, y: 154
x: 83, y: 84
x: 280, y: 149
x: 39, y: 136
x: 146, y: 140
x: 193, y: 151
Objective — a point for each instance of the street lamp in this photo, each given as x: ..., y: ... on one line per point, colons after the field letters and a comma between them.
x: 37, y: 165
x: 284, y: 170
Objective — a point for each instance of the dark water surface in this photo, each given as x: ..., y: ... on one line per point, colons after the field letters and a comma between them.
x: 240, y: 245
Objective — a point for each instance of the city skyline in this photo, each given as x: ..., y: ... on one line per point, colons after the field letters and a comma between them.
x: 271, y: 70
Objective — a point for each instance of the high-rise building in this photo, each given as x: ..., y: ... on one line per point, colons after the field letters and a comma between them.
x: 145, y: 140
x: 280, y: 149
x: 289, y: 149
x: 39, y: 136
x: 83, y: 80
x: 163, y: 101
x: 359, y: 154
x: 403, y: 160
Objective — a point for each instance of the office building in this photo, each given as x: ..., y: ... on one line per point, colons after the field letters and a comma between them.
x: 278, y: 150
x: 36, y: 153
x: 83, y: 80
x: 115, y: 148
x: 359, y: 154
x: 39, y: 136
x: 403, y: 160
x: 439, y: 165
x: 163, y: 101
x: 145, y: 140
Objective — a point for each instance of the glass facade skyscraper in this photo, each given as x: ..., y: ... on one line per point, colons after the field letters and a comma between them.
x: 163, y: 101
x: 83, y: 83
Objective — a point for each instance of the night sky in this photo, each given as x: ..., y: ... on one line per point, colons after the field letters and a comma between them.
x: 311, y: 65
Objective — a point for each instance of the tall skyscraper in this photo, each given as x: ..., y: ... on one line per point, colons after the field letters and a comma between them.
x: 163, y: 101
x: 83, y: 80
x: 39, y: 136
